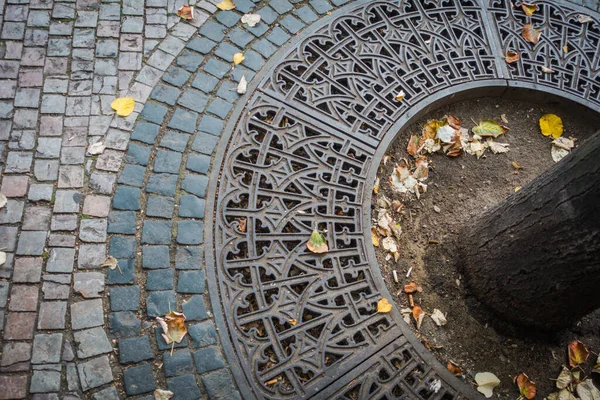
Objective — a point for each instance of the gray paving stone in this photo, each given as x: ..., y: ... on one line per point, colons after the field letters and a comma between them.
x: 67, y: 201
x: 189, y: 232
x: 15, y: 357
x: 188, y: 258
x: 194, y: 309
x: 176, y: 76
x: 61, y: 240
x: 195, y: 184
x: 4, y: 286
x: 135, y: 350
x: 12, y: 212
x: 165, y: 184
x: 102, y: 182
x: 93, y: 230
x: 52, y: 315
x: 70, y: 176
x: 36, y: 218
x: 23, y: 298
x: 31, y: 243
x: 46, y: 170
x: 123, y: 276
x: 204, y: 82
x: 123, y: 324
x: 72, y: 377
x: 160, y: 303
x: 213, y: 31
x: 153, y: 112
x: 91, y: 256
x: 27, y: 270
x: 145, y: 132
x: 125, y: 298
x: 88, y: 284
x: 155, y: 257
x: 202, y: 45
x: 18, y: 162
x: 198, y: 163
x: 126, y: 198
x: 96, y: 206
x: 8, y: 238
x: 132, y: 175
x: 208, y: 359
x: 72, y: 155
x: 203, y: 334
x: 121, y: 222
x: 191, y: 282
x: 138, y: 154
x: 44, y: 382
x: 123, y: 247
x: 92, y: 342
x: 110, y: 393
x: 165, y: 94
x: 67, y: 354
x: 184, y: 121
x: 217, y: 68
x: 87, y: 314
x: 47, y: 348
x: 156, y: 232
x: 55, y: 291
x: 64, y: 222
x: 110, y: 160
x: 138, y: 380
x: 228, y: 18
x: 40, y: 192
x: 180, y: 363
x: 175, y: 141
x: 94, y: 373
x: 60, y: 260
x: 190, y: 60
x: 160, y: 279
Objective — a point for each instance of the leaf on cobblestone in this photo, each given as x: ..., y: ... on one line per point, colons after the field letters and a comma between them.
x: 3, y: 200
x: 173, y: 326
x: 317, y: 243
x: 242, y: 86
x: 226, y: 5
x: 160, y: 394
x: 112, y: 263
x: 186, y: 12
x: 529, y: 9
x: 238, y: 58
x: 531, y: 34
x: 123, y: 106
x: 2, y: 258
x: 512, y: 56
x: 251, y: 19
x: 96, y: 148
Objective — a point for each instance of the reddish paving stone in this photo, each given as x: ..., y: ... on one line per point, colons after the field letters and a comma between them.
x: 19, y: 326
x: 13, y: 387
x: 96, y: 206
x: 27, y: 270
x: 15, y: 357
x: 23, y: 298
x: 14, y: 185
x: 52, y: 315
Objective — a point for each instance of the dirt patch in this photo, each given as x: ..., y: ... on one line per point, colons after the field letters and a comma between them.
x: 462, y: 188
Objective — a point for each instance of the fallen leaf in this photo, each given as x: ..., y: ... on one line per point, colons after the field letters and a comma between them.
x: 564, y: 378
x: 530, y: 34
x: 565, y: 48
x: 250, y: 19
x: 389, y: 244
x: 454, y: 368
x: 445, y: 133
x: 518, y: 188
x: 547, y: 70
x: 516, y: 166
x: 587, y: 391
x: 374, y: 236
x: 186, y: 12
x: 3, y: 200
x: 561, y: 147
x: 421, y: 172
x: 413, y: 145
x: 435, y: 385
x: 438, y: 317
x: 226, y: 5
x: 384, y: 306
x: 431, y: 127
x: 486, y: 382
x: 2, y: 258
x: 497, y: 148
x: 529, y: 9
x: 551, y: 125
x: 112, y: 263
x: 293, y: 322
x: 242, y: 86
x: 418, y: 315
x: 526, y: 386
x: 412, y: 288
x: 578, y: 354
x: 123, y: 106
x: 489, y: 128
x: 160, y: 394
x: 596, y: 367
x: 512, y: 56
x: 242, y: 225
x: 96, y: 148
x: 238, y: 58
x: 317, y: 243
x: 376, y: 186
x: 385, y: 222
x: 400, y: 96
x: 503, y: 118
x: 584, y: 18
x: 173, y: 326
x: 271, y: 382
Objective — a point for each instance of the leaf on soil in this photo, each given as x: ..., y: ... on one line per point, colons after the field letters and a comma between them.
x: 518, y: 188
x: 3, y: 200
x: 400, y: 96
x: 384, y: 306
x: 376, y: 186
x: 96, y: 148
x: 584, y: 18
x: 389, y: 244
x: 226, y: 5
x: 561, y: 147
x: 406, y: 312
x: 489, y: 128
x: 497, y: 148
x: 503, y: 118
x: 238, y: 58
x: 422, y: 171
x: 512, y: 56
x: 564, y: 378
x: 445, y: 133
x: 596, y: 368
x: 250, y: 19
x: 173, y: 326
x: 418, y: 315
x: 529, y: 9
x: 242, y: 86
x: 402, y: 181
x: 412, y: 287
x: 123, y: 106
x: 413, y: 145
x: 531, y: 34
x: 317, y: 243
x: 431, y: 127
x: 578, y: 353
x: 551, y: 125
x: 2, y: 258
x: 454, y: 368
x: 385, y: 222
x: 438, y: 317
x: 431, y: 146
x: 374, y: 236
x: 186, y: 12
x: 587, y: 391
x: 160, y: 394
x: 526, y: 386
x: 486, y: 382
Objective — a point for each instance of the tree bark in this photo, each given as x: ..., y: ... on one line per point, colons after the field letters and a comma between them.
x: 535, y: 258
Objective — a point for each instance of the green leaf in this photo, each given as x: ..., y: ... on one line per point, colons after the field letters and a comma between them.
x: 489, y: 128
x: 317, y: 243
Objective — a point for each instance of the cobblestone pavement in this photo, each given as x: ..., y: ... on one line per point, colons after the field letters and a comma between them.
x: 69, y: 328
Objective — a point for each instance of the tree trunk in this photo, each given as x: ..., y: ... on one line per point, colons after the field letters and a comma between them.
x: 535, y: 258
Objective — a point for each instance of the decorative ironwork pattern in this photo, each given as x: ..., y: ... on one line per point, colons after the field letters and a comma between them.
x: 576, y: 71
x: 299, y: 155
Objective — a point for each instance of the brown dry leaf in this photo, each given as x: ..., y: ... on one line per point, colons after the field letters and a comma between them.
x: 384, y: 306
x: 226, y: 5
x: 453, y: 121
x: 374, y: 236
x: 293, y: 322
x: 418, y: 315
x: 412, y: 287
x: 515, y: 165
x: 512, y: 56
x: 578, y: 353
x: 112, y: 263
x: 454, y: 368
x: 531, y: 34
x: 413, y: 145
x: 242, y: 225
x: 430, y: 129
x: 564, y: 379
x: 186, y: 12
x: 317, y: 243
x: 160, y: 394
x: 123, y: 106
x: 173, y: 326
x: 238, y: 58
x: 422, y: 169
x: 526, y: 386
x: 529, y: 9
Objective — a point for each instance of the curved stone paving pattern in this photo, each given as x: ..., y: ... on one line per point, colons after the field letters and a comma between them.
x: 320, y: 169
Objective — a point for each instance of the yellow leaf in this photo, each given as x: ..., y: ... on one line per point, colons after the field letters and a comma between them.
x: 489, y: 128
x: 375, y: 236
x: 376, y: 186
x: 518, y: 188
x: 529, y: 9
x: 123, y: 106
x: 317, y: 243
x: 551, y: 125
x: 578, y: 354
x: 515, y: 165
x: 238, y: 58
x: 565, y: 48
x: 384, y: 306
x: 293, y: 322
x: 226, y: 5
x: 271, y: 382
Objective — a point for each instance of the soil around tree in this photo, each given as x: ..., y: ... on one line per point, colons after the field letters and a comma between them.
x: 460, y: 189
